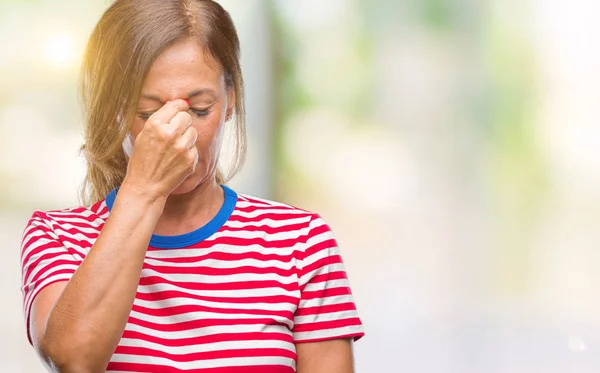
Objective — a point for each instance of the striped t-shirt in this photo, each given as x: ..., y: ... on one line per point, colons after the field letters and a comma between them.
x: 233, y: 296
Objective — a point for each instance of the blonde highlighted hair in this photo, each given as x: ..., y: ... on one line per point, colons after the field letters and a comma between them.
x: 128, y: 38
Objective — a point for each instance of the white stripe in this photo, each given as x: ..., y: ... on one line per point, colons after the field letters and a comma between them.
x: 327, y: 268
x: 279, y: 236
x: 258, y: 202
x: 92, y: 229
x: 225, y: 264
x: 268, y: 222
x: 66, y: 212
x: 238, y: 293
x: 197, y: 315
x: 207, y: 347
x: 327, y: 301
x: 271, y: 211
x: 328, y: 333
x: 317, y: 239
x: 331, y: 284
x: 210, y: 330
x: 39, y: 239
x: 220, y: 248
x: 33, y: 229
x: 80, y: 218
x: 222, y: 279
x: 185, y: 301
x: 330, y: 316
x: 45, y: 263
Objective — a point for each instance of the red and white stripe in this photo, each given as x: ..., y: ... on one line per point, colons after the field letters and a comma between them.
x: 237, y: 302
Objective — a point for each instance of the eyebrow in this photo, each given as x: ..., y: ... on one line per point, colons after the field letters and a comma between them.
x: 198, y: 92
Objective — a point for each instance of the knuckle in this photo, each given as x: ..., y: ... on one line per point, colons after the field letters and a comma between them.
x: 154, y: 122
x: 166, y: 134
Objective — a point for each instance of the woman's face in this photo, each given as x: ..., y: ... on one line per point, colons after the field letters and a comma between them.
x: 182, y: 71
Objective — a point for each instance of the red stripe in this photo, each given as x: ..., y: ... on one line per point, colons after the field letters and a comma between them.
x: 325, y: 325
x: 31, y: 266
x: 268, y: 203
x: 38, y: 250
x: 330, y: 308
x: 235, y: 285
x: 64, y: 217
x: 36, y: 225
x: 189, y: 308
x: 200, y: 323
x: 245, y: 242
x: 261, y: 206
x: 213, y: 271
x: 74, y: 231
x: 266, y: 216
x: 325, y: 277
x: 322, y: 263
x: 323, y: 245
x: 148, y: 368
x: 95, y: 226
x: 168, y: 294
x: 356, y: 336
x: 326, y: 293
x: 221, y: 256
x: 83, y: 244
x: 55, y: 264
x: 208, y: 355
x: 265, y: 228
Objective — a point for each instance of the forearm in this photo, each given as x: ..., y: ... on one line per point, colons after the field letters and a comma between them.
x: 332, y: 356
x: 88, y: 319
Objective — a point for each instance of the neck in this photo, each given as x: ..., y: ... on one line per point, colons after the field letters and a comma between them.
x: 187, y: 212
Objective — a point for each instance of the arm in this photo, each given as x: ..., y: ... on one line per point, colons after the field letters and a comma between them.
x: 75, y: 326
x: 333, y: 356
x: 326, y: 321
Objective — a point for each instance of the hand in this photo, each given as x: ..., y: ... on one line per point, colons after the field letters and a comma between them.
x: 164, y: 152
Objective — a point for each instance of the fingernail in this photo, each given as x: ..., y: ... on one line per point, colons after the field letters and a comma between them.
x: 187, y: 102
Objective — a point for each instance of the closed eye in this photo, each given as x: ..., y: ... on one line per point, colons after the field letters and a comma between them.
x: 197, y: 112
x: 200, y: 113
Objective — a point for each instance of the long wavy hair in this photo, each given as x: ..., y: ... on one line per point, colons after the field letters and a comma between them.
x: 122, y: 47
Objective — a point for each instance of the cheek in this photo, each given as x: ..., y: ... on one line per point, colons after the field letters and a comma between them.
x: 137, y: 126
x: 209, y: 134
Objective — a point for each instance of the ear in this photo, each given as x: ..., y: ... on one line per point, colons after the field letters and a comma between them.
x: 230, y: 103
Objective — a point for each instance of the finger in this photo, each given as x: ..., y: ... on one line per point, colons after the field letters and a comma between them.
x: 169, y: 110
x: 189, y: 138
x: 180, y: 122
x: 196, y: 156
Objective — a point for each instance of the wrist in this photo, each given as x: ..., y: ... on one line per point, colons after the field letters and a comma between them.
x: 144, y: 197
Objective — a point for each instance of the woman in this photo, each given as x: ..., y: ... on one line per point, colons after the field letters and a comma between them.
x: 167, y: 269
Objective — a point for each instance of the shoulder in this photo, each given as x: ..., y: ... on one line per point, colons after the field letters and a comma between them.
x: 260, y: 208
x: 264, y: 212
x: 79, y: 216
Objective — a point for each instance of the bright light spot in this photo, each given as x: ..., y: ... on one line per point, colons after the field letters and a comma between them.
x: 577, y: 344
x: 60, y: 50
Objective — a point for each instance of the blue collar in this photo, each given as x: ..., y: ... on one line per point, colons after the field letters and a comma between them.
x: 194, y: 237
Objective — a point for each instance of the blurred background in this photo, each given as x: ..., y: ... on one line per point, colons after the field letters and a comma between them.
x: 452, y: 146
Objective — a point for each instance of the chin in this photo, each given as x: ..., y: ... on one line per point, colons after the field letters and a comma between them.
x: 189, y: 184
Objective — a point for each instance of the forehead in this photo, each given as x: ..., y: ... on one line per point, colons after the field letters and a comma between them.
x: 182, y: 67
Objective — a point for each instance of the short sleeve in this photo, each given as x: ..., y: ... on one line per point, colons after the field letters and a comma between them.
x: 326, y: 309
x: 44, y: 261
